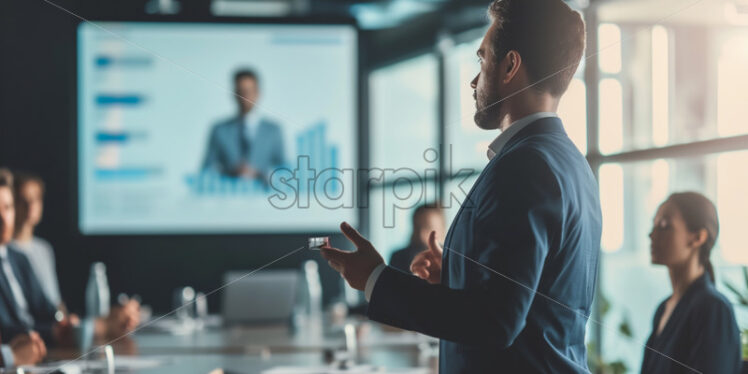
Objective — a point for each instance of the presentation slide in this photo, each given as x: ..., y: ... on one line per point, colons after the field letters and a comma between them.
x: 215, y: 128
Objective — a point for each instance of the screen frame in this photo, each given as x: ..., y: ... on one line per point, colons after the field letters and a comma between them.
x: 360, y: 158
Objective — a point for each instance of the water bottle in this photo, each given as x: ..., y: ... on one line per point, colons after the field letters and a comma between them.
x: 314, y: 288
x: 97, y: 291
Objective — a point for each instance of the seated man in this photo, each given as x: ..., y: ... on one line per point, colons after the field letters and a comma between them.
x: 426, y: 218
x: 24, y: 349
x: 23, y: 303
x: 28, y: 196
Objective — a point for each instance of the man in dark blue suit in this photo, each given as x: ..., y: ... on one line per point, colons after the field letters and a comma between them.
x: 513, y: 288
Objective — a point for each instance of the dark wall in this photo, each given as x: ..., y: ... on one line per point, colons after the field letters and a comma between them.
x: 37, y: 128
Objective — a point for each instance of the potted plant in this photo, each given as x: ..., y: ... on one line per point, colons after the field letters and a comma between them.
x: 595, y: 361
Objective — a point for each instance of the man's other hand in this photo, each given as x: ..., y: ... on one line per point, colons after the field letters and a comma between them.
x: 123, y: 319
x: 355, y: 267
x: 427, y: 265
x: 28, y: 349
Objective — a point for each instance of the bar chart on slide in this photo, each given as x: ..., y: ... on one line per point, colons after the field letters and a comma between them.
x: 316, y: 157
x: 312, y: 145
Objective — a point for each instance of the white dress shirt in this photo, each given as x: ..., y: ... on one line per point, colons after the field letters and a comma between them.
x: 42, y: 259
x: 498, y: 144
x: 8, y: 358
x: 493, y: 149
x: 15, y: 288
x: 251, y: 122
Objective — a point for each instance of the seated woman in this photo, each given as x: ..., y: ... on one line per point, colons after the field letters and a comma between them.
x: 694, y: 330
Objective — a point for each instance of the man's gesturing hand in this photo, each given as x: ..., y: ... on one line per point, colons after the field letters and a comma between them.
x: 356, y: 266
x: 427, y: 265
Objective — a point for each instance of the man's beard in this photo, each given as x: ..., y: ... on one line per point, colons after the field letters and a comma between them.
x: 487, y: 111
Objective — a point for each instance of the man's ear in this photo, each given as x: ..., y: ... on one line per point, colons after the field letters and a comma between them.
x: 511, y: 65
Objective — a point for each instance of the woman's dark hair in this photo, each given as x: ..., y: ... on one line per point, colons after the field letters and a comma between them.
x: 699, y: 213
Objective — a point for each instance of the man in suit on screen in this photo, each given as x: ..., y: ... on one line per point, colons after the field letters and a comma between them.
x: 246, y: 145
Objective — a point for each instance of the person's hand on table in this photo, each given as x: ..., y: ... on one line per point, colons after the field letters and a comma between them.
x: 28, y: 349
x: 427, y: 264
x: 355, y: 267
x: 62, y: 331
x: 122, y: 319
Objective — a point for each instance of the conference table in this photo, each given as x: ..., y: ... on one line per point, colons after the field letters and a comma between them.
x: 167, y: 347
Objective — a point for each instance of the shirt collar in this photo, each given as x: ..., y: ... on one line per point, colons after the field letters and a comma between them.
x: 3, y: 251
x: 252, y: 118
x: 498, y: 144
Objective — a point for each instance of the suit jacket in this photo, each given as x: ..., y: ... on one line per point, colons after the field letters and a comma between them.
x: 519, y: 264
x: 701, y: 335
x: 40, y: 307
x: 224, y: 154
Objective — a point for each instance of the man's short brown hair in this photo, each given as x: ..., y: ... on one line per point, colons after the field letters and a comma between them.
x: 548, y: 35
x: 20, y: 179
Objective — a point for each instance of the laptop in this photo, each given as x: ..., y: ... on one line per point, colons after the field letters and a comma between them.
x: 263, y: 297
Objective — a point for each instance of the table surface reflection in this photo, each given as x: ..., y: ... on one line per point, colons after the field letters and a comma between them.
x: 254, y: 349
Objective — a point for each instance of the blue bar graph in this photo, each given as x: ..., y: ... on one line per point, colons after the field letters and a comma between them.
x: 117, y: 137
x: 312, y: 143
x: 105, y: 61
x: 125, y: 173
x: 118, y: 99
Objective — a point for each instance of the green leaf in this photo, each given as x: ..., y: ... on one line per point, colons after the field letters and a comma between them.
x: 742, y: 298
x: 618, y: 367
x: 625, y: 327
x: 604, y: 305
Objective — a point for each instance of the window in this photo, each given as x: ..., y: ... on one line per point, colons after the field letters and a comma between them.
x: 732, y: 79
x: 670, y: 84
x: 461, y: 131
x: 732, y: 205
x: 404, y: 102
